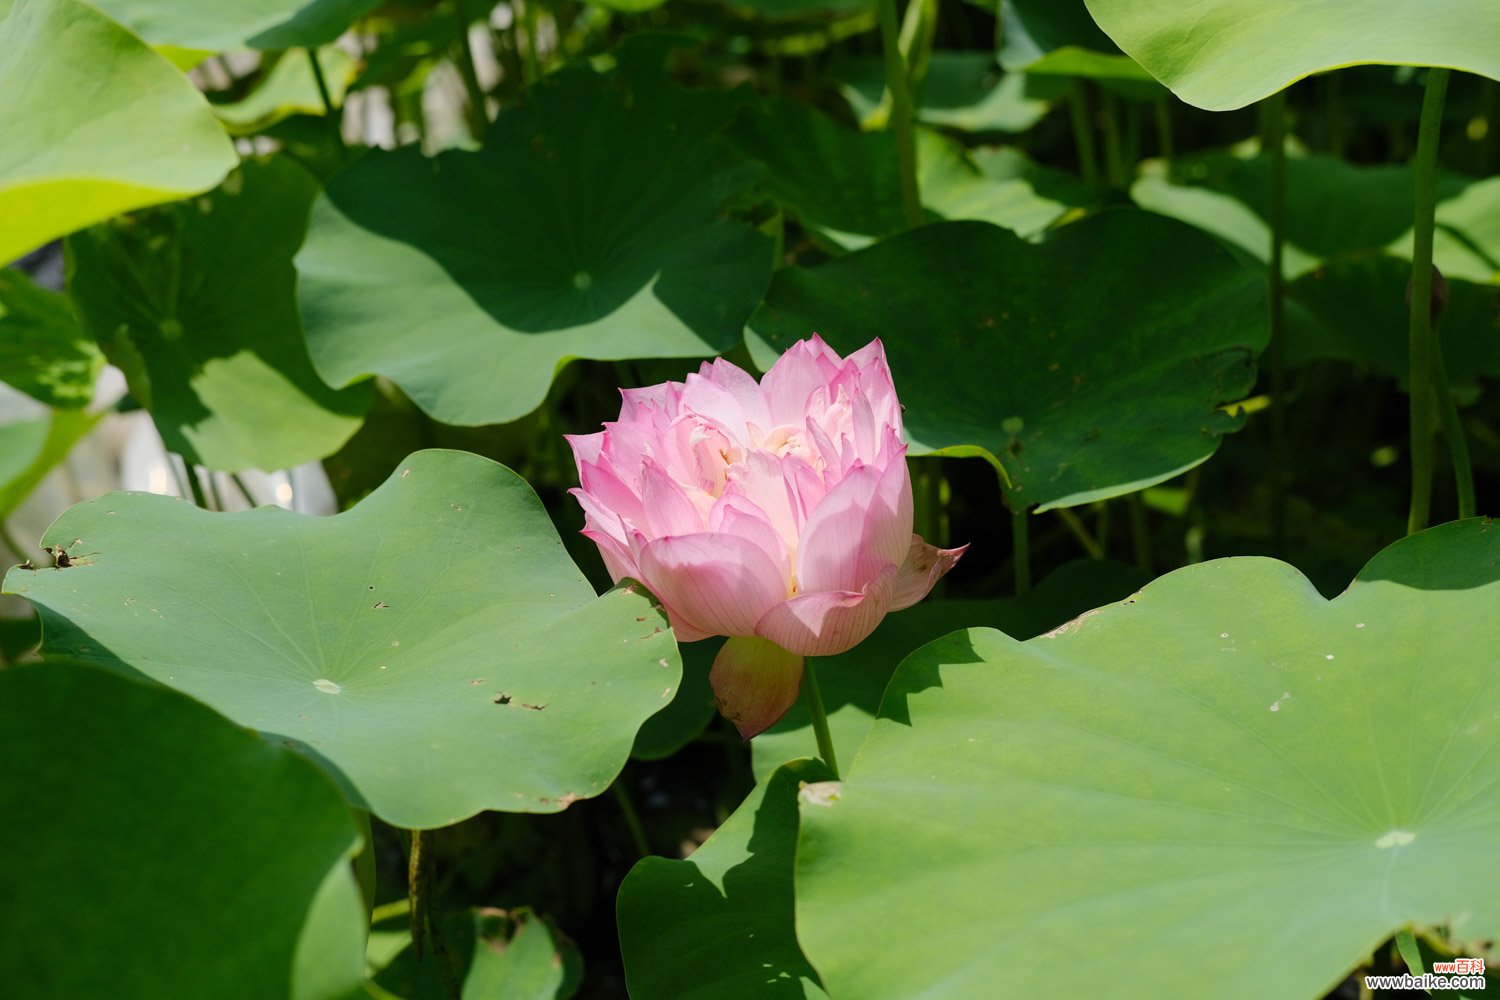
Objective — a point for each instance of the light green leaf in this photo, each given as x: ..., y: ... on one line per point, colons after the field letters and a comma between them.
x: 31, y: 449
x: 1230, y: 53
x: 42, y: 350
x: 1058, y: 38
x: 1085, y: 367
x: 166, y: 851
x: 197, y: 305
x: 1226, y: 785
x: 690, y: 710
x: 720, y: 923
x: 498, y: 954
x: 960, y: 90
x: 210, y: 26
x: 433, y: 647
x: 1334, y: 208
x: 469, y: 279
x: 1467, y: 241
x: 852, y: 683
x: 289, y: 89
x: 95, y: 124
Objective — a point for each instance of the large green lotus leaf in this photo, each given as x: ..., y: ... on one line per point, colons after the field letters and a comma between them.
x: 158, y: 850
x: 719, y: 924
x: 960, y: 90
x: 1354, y: 308
x: 1333, y: 208
x: 852, y: 683
x: 82, y: 144
x: 1226, y: 785
x: 1088, y: 366
x: 588, y: 226
x: 433, y: 647
x: 43, y: 352
x: 196, y: 303
x: 213, y: 26
x: 1225, y: 54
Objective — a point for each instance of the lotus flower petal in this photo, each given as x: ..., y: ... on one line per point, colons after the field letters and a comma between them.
x: 755, y: 682
x: 831, y: 622
x: 712, y: 583
x: 924, y: 566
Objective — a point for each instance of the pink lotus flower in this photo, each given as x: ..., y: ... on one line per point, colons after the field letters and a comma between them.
x: 778, y: 514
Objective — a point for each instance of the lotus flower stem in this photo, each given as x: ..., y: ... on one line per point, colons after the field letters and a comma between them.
x: 1114, y: 150
x: 479, y: 115
x: 333, y: 116
x: 1420, y: 331
x: 819, y: 715
x: 1166, y: 145
x: 214, y: 494
x: 194, y: 484
x: 1140, y: 531
x: 1080, y: 531
x: 901, y: 113
x: 1021, y: 543
x: 1463, y: 470
x: 632, y: 818
x: 1083, y: 132
x: 8, y: 539
x: 1273, y: 141
x: 239, y: 484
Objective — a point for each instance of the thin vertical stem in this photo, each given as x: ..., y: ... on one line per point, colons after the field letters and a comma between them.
x: 479, y: 114
x: 901, y: 113
x: 1420, y: 331
x: 1076, y: 528
x: 1453, y: 430
x: 1166, y: 143
x: 1140, y: 531
x: 1114, y: 155
x: 239, y: 484
x: 213, y: 492
x: 416, y: 890
x: 533, y: 65
x: 632, y: 818
x: 819, y: 715
x: 1021, y: 544
x: 8, y: 538
x: 334, y: 116
x: 1273, y: 141
x: 1083, y: 132
x: 195, y: 485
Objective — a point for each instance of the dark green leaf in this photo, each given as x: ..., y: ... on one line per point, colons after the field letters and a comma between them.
x: 720, y: 923
x: 158, y: 850
x: 1086, y: 367
x: 588, y: 226
x: 197, y: 305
